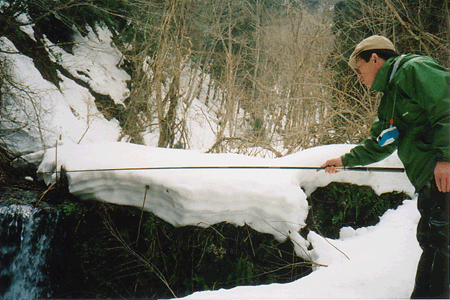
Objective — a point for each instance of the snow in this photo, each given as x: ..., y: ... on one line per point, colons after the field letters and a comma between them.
x: 268, y: 201
x: 96, y: 62
x: 373, y: 262
x: 381, y: 265
x: 68, y: 113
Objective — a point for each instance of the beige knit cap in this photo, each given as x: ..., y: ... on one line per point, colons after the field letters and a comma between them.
x: 370, y: 43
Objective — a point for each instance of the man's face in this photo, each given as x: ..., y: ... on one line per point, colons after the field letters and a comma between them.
x: 367, y: 71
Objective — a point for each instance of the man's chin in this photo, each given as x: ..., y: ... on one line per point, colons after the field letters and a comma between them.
x: 365, y: 83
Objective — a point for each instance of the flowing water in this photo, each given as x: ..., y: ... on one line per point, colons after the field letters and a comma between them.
x: 25, y: 236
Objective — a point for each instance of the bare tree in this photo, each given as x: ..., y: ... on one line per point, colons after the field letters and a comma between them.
x: 158, y: 58
x: 20, y: 109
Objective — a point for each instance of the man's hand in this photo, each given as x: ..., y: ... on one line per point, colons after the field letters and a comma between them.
x: 442, y: 176
x: 331, y: 164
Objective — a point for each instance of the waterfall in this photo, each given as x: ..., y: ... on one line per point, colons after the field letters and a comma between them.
x: 25, y: 235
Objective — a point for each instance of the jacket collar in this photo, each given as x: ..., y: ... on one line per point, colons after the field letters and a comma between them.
x: 382, y: 80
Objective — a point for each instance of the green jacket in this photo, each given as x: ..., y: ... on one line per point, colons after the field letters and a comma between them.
x: 417, y: 99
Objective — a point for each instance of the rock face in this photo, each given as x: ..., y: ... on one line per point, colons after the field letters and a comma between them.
x: 111, y: 251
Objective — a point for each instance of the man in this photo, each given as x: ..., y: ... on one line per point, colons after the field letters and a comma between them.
x: 413, y: 117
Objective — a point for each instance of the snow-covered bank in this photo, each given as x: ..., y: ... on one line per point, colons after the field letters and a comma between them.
x: 381, y: 259
x: 382, y: 265
x: 270, y: 201
x: 39, y: 113
x: 36, y: 113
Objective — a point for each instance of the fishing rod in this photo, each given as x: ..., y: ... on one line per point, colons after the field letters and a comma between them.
x: 360, y: 169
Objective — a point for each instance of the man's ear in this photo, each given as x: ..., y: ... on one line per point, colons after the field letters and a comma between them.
x: 377, y: 60
x: 374, y: 57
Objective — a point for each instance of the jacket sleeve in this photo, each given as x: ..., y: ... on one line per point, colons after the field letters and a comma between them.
x: 369, y: 151
x: 431, y: 90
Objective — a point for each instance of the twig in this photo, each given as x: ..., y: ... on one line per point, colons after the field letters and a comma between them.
x: 145, y: 262
x: 210, y: 226
x: 320, y: 234
x: 282, y: 233
x: 45, y: 193
x: 251, y: 243
x: 142, y: 213
x: 406, y: 26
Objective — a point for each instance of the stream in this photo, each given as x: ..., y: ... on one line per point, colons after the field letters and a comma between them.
x: 25, y: 235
